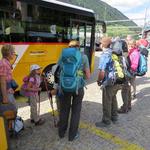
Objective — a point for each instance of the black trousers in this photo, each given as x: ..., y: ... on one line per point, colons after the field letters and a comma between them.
x: 70, y: 102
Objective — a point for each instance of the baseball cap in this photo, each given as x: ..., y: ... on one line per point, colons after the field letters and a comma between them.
x: 143, y: 42
x: 34, y: 67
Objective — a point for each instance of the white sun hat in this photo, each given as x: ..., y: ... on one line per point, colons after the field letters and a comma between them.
x: 34, y: 67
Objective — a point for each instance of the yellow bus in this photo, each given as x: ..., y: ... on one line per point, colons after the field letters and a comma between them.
x: 40, y: 29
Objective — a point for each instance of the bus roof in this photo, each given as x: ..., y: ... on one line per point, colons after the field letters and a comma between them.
x: 69, y: 5
x: 61, y: 6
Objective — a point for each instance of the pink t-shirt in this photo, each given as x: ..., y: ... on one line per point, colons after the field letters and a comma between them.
x: 36, y: 81
x: 6, y: 69
x: 134, y: 56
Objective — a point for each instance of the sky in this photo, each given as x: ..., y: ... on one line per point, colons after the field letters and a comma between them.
x: 134, y: 9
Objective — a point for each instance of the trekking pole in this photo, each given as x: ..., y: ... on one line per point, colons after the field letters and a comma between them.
x: 38, y: 100
x: 51, y: 101
x: 39, y: 94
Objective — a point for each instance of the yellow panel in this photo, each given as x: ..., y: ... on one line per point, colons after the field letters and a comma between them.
x: 0, y: 52
x: 92, y: 62
x: 3, y: 137
x: 41, y: 54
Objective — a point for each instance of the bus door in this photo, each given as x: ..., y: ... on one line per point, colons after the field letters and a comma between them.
x: 99, y: 31
x: 82, y: 31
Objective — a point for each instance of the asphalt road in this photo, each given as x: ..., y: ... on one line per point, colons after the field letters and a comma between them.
x: 132, y: 132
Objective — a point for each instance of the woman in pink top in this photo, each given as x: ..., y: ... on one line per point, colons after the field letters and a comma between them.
x: 8, y: 54
x: 33, y: 87
x: 134, y: 56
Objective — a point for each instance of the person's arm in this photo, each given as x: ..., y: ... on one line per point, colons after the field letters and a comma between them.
x: 3, y: 87
x: 87, y: 73
x: 86, y: 67
x: 101, y: 75
x: 104, y: 60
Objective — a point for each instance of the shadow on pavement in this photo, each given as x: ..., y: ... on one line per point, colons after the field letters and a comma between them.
x: 142, y: 80
x: 45, y: 137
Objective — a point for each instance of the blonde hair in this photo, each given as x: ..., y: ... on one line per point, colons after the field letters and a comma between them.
x: 132, y: 42
x: 6, y: 50
x: 74, y: 43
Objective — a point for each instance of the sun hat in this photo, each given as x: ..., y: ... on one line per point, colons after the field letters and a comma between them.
x: 34, y: 67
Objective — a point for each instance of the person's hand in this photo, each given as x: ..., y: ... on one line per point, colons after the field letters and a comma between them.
x: 99, y: 83
x: 10, y: 91
x: 5, y: 101
x: 53, y: 92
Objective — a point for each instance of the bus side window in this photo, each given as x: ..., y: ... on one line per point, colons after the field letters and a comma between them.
x: 15, y: 37
x: 13, y: 31
x: 75, y: 32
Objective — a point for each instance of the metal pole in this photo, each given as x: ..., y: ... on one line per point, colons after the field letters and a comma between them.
x: 105, y: 13
x: 144, y: 23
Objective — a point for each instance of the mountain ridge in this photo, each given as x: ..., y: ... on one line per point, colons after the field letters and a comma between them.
x: 103, y: 10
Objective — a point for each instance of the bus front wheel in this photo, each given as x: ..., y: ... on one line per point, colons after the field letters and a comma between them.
x: 48, y: 77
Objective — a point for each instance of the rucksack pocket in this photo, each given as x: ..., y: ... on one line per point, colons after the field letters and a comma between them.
x: 142, y: 68
x: 69, y: 84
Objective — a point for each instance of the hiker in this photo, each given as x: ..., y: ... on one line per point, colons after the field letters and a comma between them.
x: 7, y: 89
x: 131, y: 45
x: 33, y: 81
x: 126, y: 88
x: 132, y: 61
x: 108, y: 84
x: 134, y: 56
x: 77, y: 66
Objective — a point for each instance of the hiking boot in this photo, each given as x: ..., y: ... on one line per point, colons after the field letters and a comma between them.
x: 76, y: 137
x: 39, y: 122
x: 103, y: 124
x: 129, y: 108
x: 61, y: 134
x: 122, y: 110
x: 114, y: 119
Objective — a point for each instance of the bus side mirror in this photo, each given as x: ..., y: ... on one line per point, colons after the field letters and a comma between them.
x: 102, y: 24
x: 104, y: 28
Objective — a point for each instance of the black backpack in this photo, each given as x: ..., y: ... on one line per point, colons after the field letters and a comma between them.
x: 118, y: 47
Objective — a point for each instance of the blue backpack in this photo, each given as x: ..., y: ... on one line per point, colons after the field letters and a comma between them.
x: 70, y: 64
x: 142, y: 67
